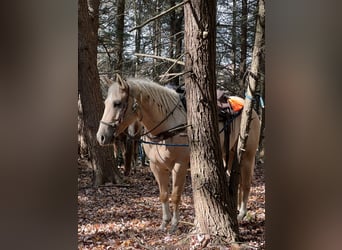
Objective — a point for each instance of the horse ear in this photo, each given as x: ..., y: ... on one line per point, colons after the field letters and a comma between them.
x: 107, y: 81
x: 123, y: 84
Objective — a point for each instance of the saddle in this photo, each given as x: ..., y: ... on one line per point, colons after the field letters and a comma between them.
x: 229, y: 107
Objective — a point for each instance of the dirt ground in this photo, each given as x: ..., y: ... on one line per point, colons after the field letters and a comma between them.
x: 128, y: 216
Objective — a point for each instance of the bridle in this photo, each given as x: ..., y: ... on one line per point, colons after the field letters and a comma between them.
x: 135, y: 106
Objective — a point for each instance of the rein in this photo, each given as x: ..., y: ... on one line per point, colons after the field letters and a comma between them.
x: 161, y: 122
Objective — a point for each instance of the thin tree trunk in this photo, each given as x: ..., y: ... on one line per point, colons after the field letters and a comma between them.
x: 243, y: 41
x: 119, y: 44
x: 156, y: 42
x: 253, y: 78
x: 82, y: 145
x: 172, y: 30
x: 176, y: 21
x: 234, y: 43
x: 179, y: 41
x: 261, y: 109
x: 215, y: 215
x: 90, y: 94
x: 138, y: 10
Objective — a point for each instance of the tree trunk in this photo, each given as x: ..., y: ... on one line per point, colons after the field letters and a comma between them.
x: 82, y: 145
x: 138, y: 11
x: 179, y: 41
x: 243, y: 41
x: 176, y: 21
x: 215, y: 215
x: 90, y: 94
x: 119, y: 44
x: 234, y: 43
x: 156, y: 42
x: 253, y: 78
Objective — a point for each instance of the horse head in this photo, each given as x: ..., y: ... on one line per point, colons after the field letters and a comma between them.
x: 119, y: 112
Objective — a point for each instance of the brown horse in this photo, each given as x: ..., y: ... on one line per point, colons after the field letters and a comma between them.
x: 127, y: 144
x: 162, y: 114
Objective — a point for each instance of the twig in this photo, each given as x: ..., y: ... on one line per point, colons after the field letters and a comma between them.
x: 159, y: 15
x: 177, y: 75
x: 169, y: 74
x: 161, y: 58
x: 187, y: 223
x: 107, y: 52
x: 168, y: 70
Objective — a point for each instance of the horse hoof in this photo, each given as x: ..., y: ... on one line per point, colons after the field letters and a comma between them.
x: 163, y: 226
x: 241, y: 216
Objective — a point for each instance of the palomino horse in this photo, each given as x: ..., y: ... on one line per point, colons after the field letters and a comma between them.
x: 161, y: 112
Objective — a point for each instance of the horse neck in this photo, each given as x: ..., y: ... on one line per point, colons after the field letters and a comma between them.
x: 156, y: 118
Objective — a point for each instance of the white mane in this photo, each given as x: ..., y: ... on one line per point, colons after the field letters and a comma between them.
x: 166, y: 98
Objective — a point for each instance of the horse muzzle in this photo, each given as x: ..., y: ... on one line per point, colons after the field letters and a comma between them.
x: 103, y: 139
x: 105, y: 134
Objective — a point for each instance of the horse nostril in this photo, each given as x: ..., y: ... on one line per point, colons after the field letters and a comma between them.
x: 102, y: 139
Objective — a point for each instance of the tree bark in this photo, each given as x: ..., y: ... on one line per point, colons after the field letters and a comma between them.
x: 101, y: 158
x: 156, y: 41
x: 137, y: 11
x: 119, y: 44
x: 243, y: 41
x: 82, y: 144
x: 253, y: 78
x: 234, y: 43
x: 215, y: 215
x: 176, y: 21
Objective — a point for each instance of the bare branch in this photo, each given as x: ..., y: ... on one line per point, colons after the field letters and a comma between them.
x: 179, y: 58
x: 159, y: 15
x: 174, y: 75
x: 161, y: 58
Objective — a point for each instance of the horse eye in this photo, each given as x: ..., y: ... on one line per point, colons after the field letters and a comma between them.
x: 117, y: 104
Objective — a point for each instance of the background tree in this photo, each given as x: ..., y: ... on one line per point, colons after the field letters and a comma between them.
x: 253, y: 77
x: 176, y: 39
x: 243, y: 41
x: 164, y: 37
x: 119, y: 44
x: 214, y: 211
x: 234, y: 42
x: 89, y: 92
x: 169, y: 30
x: 138, y: 14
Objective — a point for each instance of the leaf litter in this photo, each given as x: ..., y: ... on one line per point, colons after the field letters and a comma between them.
x: 129, y: 216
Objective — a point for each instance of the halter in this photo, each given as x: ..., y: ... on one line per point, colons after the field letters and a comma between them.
x: 109, y: 124
x: 135, y: 107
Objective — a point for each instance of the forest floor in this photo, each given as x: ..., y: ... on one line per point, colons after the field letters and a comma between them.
x: 129, y: 216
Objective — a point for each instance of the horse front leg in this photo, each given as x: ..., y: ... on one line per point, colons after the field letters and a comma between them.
x: 178, y: 180
x: 162, y: 177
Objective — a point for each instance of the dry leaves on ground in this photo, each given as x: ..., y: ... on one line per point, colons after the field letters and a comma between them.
x: 128, y: 216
